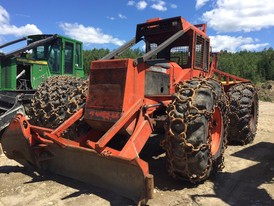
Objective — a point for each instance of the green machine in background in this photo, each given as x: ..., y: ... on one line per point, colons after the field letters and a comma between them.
x: 24, y: 69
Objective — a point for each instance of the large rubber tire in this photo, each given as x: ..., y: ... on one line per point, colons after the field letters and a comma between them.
x: 243, y: 115
x: 196, y: 130
x: 56, y: 99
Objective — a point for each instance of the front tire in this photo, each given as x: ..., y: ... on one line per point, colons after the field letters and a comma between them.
x: 196, y: 130
x: 57, y: 99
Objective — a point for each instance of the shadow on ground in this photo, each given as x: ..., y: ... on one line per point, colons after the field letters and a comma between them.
x: 244, y: 187
x: 239, y: 188
x: 151, y: 153
x: 80, y: 187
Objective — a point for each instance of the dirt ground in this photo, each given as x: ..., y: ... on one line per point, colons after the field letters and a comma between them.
x: 248, y: 179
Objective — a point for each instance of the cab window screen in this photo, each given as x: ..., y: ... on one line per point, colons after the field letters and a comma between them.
x: 68, y: 58
x: 54, y: 58
x: 78, y: 55
x: 181, y: 55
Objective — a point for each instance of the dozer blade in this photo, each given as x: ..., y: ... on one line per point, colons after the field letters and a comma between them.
x: 11, y: 106
x: 129, y: 178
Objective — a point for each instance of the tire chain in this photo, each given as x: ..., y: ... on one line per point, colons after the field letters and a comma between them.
x: 241, y: 97
x: 184, y: 95
x: 56, y: 99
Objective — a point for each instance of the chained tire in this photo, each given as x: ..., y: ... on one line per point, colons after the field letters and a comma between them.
x: 243, y: 115
x: 57, y: 99
x: 196, y: 130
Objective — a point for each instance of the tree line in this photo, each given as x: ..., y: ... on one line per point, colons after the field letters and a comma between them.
x: 256, y: 66
x: 96, y: 54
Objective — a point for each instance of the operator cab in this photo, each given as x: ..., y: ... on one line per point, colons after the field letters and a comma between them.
x: 44, y: 55
x: 180, y: 42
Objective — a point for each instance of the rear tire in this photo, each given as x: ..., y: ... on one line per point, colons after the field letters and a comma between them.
x: 243, y: 115
x: 57, y: 99
x: 196, y: 130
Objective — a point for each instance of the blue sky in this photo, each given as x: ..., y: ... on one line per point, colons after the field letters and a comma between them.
x: 233, y: 25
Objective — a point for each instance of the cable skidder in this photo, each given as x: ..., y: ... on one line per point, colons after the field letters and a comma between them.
x: 175, y: 83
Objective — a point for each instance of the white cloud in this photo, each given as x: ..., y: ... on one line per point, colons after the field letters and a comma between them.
x: 4, y: 16
x: 233, y: 44
x: 141, y: 5
x: 7, y: 29
x: 240, y: 15
x: 254, y: 47
x: 121, y: 16
x: 111, y: 18
x: 130, y: 3
x: 173, y: 6
x: 89, y: 34
x: 159, y: 5
x: 200, y: 3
